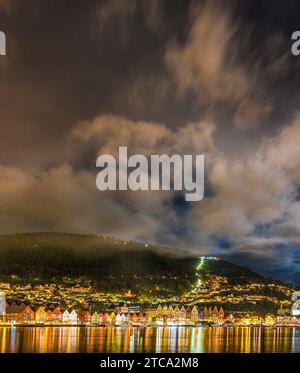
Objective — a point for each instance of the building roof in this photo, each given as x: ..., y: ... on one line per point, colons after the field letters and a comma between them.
x: 14, y: 308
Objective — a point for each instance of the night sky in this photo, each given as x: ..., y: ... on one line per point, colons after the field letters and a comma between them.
x: 160, y: 76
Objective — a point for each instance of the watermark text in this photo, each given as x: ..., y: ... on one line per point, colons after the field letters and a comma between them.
x: 296, y: 45
x: 2, y: 44
x: 176, y: 172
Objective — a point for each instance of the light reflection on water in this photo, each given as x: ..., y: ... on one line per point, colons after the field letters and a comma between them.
x: 151, y: 339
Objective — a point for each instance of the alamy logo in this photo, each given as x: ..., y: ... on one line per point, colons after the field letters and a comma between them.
x: 296, y: 45
x: 2, y: 44
x: 164, y: 173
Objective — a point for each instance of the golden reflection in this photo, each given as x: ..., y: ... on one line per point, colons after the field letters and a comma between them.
x: 150, y: 339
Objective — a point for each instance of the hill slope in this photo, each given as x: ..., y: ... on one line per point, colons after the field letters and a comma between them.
x: 109, y: 264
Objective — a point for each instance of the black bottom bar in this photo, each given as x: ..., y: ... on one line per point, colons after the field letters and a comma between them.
x: 131, y: 362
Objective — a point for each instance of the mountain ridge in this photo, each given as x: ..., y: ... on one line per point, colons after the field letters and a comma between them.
x: 47, y: 256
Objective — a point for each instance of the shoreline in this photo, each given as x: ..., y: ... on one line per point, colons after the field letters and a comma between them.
x: 141, y: 326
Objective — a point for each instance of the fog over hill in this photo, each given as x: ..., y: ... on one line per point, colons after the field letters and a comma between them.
x: 52, y: 256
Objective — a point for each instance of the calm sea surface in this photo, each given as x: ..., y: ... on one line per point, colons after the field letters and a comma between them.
x: 151, y: 339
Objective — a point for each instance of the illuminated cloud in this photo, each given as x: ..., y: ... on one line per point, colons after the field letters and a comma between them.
x: 111, y: 131
x: 212, y: 64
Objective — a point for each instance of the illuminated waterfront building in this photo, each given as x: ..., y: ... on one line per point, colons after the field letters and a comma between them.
x: 165, y: 311
x: 221, y: 314
x: 57, y: 315
x: 171, y: 315
x: 106, y: 319
x: 244, y: 318
x: 122, y: 308
x: 84, y: 317
x: 170, y: 312
x: 194, y: 315
x: 159, y: 312
x: 151, y: 313
x: 141, y: 318
x: 118, y: 319
x: 177, y: 314
x: 269, y: 320
x: 113, y: 317
x: 128, y: 318
x: 66, y: 316
x: 214, y: 315
x: 296, y: 302
x: 134, y: 307
x: 19, y: 313
x: 146, y: 318
x: 95, y: 318
x: 2, y: 305
x: 40, y: 315
x: 123, y: 319
x: 134, y: 319
x: 49, y: 316
x: 101, y: 318
x: 207, y: 314
x: 182, y: 316
x: 73, y: 317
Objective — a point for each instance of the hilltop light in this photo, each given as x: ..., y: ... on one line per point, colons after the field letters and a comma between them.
x: 200, y: 267
x: 202, y: 258
x: 201, y: 263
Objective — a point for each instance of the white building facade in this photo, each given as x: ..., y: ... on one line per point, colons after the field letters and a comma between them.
x: 2, y: 304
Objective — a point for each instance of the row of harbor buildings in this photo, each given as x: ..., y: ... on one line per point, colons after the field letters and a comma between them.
x: 121, y: 315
